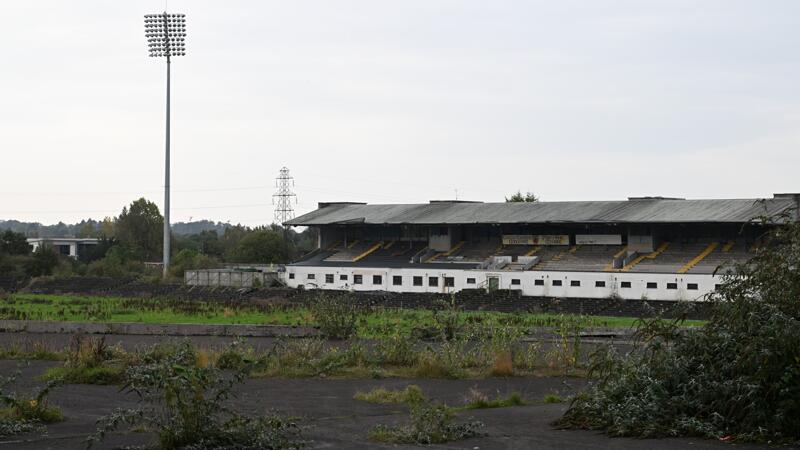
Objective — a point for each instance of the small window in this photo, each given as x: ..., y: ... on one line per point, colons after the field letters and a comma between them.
x: 575, y: 283
x: 342, y: 277
x: 599, y: 284
x: 652, y: 285
x: 433, y: 281
x: 515, y: 282
x: 625, y: 284
x: 329, y: 278
x: 556, y: 282
x: 691, y: 286
x: 358, y: 279
x: 672, y: 286
x: 470, y: 280
x: 377, y: 279
x: 538, y: 282
x: 417, y: 281
x: 397, y: 280
x: 311, y: 276
x: 449, y: 282
x: 291, y: 276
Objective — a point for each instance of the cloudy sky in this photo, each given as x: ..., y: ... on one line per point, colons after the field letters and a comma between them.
x: 403, y: 101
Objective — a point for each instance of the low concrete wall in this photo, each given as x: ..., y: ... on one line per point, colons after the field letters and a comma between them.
x: 40, y: 326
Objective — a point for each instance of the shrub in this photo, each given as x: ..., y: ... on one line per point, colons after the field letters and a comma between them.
x: 186, y: 406
x: 737, y: 376
x: 90, y: 361
x: 430, y: 423
x: 337, y: 316
x: 20, y: 415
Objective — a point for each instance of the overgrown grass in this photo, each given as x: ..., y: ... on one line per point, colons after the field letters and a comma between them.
x: 429, y: 423
x: 479, y: 400
x: 372, y: 323
x: 23, y: 414
x: 411, y: 394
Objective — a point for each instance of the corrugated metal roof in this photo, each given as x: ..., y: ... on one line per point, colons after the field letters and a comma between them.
x: 631, y: 211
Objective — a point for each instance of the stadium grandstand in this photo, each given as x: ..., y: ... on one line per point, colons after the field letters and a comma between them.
x: 642, y: 248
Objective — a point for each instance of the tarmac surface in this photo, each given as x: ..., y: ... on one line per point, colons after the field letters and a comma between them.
x: 332, y: 419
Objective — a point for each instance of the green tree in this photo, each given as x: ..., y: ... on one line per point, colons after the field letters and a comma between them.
x: 188, y: 259
x: 140, y: 229
x: 42, y: 262
x: 261, y: 246
x: 519, y: 197
x: 12, y: 243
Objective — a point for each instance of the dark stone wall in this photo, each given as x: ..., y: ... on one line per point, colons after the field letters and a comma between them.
x: 470, y: 299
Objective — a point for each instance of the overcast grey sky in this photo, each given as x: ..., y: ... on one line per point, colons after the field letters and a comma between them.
x: 402, y: 101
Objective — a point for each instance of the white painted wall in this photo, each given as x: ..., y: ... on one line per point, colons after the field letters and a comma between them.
x: 298, y: 275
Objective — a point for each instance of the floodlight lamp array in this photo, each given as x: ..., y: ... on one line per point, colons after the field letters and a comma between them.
x: 166, y: 34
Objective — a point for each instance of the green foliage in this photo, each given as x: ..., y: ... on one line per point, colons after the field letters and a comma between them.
x: 140, y: 229
x: 430, y: 423
x: 188, y: 259
x: 42, y: 262
x: 479, y: 400
x: 337, y: 316
x: 412, y: 394
x: 519, y: 197
x: 186, y: 406
x: 20, y: 415
x: 90, y: 361
x: 553, y: 398
x: 260, y: 246
x: 118, y: 262
x: 12, y: 243
x: 737, y: 376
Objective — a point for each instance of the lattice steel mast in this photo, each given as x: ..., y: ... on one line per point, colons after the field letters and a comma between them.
x: 282, y: 199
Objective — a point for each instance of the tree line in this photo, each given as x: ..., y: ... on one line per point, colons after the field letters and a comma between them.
x: 135, y: 236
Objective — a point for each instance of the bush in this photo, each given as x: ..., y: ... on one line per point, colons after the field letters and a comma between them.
x: 337, y: 316
x: 90, y: 361
x: 738, y: 376
x: 430, y: 424
x: 186, y: 406
x: 479, y: 400
x: 20, y: 415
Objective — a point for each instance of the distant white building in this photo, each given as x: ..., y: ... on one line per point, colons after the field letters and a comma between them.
x: 72, y: 247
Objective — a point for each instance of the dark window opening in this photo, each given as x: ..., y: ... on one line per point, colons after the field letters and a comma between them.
x: 310, y: 276
x: 449, y: 282
x: 575, y: 283
x: 417, y: 281
x: 652, y: 285
x: 515, y: 281
x: 599, y: 284
x: 329, y: 278
x: 556, y: 282
x: 672, y: 286
x: 433, y: 281
x: 377, y: 279
x: 343, y: 277
x: 691, y: 286
x: 470, y: 280
x: 538, y: 282
x: 625, y: 284
x: 358, y: 279
x: 397, y: 280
